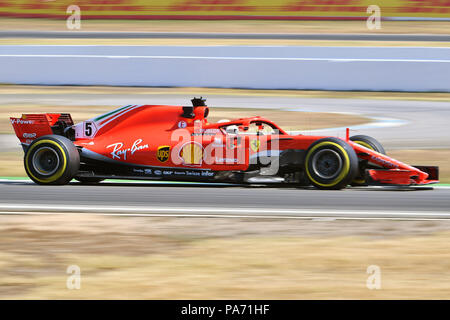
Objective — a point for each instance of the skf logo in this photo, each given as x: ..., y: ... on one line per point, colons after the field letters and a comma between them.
x: 163, y: 153
x: 254, y: 145
x: 29, y: 135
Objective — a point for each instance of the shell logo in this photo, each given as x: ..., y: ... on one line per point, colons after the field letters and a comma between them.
x: 192, y: 153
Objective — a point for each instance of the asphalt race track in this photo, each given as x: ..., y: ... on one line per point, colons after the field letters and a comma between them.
x: 218, y: 200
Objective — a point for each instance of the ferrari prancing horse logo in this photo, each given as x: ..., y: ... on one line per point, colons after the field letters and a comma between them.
x: 163, y: 153
x: 254, y: 145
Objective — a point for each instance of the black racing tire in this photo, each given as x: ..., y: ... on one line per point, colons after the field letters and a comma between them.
x: 331, y: 163
x: 52, y: 160
x: 88, y: 180
x: 372, y: 144
x: 368, y: 142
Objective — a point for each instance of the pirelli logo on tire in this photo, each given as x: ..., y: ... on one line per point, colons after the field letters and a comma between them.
x: 163, y: 153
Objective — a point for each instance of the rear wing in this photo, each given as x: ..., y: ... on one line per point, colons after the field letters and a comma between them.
x: 32, y: 126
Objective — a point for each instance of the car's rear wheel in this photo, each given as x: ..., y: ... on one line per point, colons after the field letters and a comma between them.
x: 52, y: 159
x: 369, y: 143
x: 331, y: 163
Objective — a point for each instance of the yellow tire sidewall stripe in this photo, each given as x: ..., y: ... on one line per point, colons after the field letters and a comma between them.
x: 57, y: 174
x: 344, y: 172
x: 364, y: 144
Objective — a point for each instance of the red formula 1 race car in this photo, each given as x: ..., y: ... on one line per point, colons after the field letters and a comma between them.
x: 178, y: 143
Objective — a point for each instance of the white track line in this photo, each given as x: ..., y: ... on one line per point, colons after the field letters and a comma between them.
x: 223, y: 213
x: 150, y: 215
x: 219, y: 58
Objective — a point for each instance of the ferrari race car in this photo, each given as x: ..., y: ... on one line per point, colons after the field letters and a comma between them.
x: 178, y: 143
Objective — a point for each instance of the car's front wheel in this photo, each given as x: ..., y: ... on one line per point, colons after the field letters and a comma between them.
x: 331, y: 163
x: 371, y: 144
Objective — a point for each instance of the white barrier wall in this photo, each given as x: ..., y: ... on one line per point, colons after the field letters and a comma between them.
x: 315, y: 68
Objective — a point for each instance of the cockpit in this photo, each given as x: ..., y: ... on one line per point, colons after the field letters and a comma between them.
x: 251, y: 127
